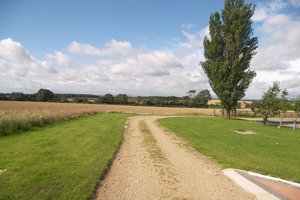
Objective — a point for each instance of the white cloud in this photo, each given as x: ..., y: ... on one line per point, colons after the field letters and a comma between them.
x: 280, y: 38
x: 278, y: 54
x: 188, y: 26
x: 204, y: 32
x: 118, y: 48
x: 110, y: 49
x: 267, y: 9
x: 156, y: 63
x: 194, y: 40
x: 295, y: 3
x: 84, y: 49
x: 144, y: 73
x: 61, y: 59
x: 14, y: 51
x: 3, y: 64
x: 18, y: 60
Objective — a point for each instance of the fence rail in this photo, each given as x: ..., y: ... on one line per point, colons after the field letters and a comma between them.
x: 250, y: 113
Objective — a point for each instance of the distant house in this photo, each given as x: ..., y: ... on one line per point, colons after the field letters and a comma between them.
x: 9, y: 96
x: 244, y: 105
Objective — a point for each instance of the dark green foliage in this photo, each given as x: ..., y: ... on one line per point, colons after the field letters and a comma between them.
x: 108, y: 98
x: 64, y: 100
x: 44, y: 95
x: 203, y: 97
x: 19, y: 96
x: 296, y: 104
x: 229, y: 52
x: 121, y: 99
x: 148, y: 102
x: 172, y: 100
x: 79, y: 100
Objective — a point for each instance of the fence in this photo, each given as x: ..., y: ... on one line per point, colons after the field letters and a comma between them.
x: 250, y: 113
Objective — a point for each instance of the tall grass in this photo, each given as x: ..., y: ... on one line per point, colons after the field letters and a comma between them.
x: 14, y: 123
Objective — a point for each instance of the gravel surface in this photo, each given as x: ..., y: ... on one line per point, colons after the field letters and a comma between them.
x: 164, y: 169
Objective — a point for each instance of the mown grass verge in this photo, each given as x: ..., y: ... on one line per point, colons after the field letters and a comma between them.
x: 61, y: 161
x: 271, y: 151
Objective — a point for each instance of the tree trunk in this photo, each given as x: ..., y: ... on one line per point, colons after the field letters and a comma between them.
x: 266, y: 121
x: 228, y: 113
x: 280, y: 120
x: 235, y: 112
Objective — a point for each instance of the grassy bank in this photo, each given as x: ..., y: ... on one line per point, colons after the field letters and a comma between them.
x: 272, y: 151
x: 62, y: 161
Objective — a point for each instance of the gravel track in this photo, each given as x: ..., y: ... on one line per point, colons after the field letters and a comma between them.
x: 165, y: 168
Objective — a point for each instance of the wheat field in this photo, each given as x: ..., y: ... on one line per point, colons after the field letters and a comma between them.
x: 14, y: 108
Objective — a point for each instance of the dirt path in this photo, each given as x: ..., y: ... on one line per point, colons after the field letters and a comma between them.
x: 153, y: 164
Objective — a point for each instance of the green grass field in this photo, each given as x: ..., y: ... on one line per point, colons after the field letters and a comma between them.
x: 61, y: 161
x: 272, y: 151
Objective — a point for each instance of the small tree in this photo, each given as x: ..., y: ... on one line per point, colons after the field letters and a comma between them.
x: 186, y: 101
x: 296, y: 108
x: 79, y: 100
x: 121, y: 99
x: 44, y: 95
x: 283, y: 105
x: 108, y: 98
x: 139, y: 99
x: 64, y: 100
x: 203, y: 97
x: 149, y: 102
x: 191, y: 94
x: 269, y: 105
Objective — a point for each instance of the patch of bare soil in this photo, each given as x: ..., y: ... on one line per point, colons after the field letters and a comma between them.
x: 244, y: 132
x: 155, y: 164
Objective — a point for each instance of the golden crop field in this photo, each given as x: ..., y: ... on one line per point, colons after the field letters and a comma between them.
x: 217, y: 101
x: 13, y: 108
x: 18, y: 116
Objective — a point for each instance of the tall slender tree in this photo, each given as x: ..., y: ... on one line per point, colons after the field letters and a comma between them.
x: 229, y: 51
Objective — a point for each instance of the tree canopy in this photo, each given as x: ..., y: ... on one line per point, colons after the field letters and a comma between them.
x: 270, y: 104
x: 229, y: 51
x: 121, y: 99
x: 203, y: 97
x: 44, y: 95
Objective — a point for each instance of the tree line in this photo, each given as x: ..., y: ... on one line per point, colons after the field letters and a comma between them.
x: 192, y: 99
x: 43, y: 95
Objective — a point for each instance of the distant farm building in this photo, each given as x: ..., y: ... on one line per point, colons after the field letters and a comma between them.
x: 244, y: 105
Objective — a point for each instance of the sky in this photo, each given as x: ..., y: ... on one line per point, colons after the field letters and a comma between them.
x: 135, y: 47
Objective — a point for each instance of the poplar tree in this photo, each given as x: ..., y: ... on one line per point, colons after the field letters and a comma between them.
x: 229, y: 51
